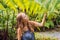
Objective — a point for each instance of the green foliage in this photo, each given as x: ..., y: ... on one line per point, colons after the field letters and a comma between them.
x: 10, y: 17
x: 49, y: 23
x: 52, y: 7
x: 33, y: 8
x: 1, y: 7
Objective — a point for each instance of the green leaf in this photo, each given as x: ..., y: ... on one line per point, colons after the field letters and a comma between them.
x: 47, y: 24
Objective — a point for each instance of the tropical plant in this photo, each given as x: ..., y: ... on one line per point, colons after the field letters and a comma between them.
x: 33, y: 8
x: 52, y: 10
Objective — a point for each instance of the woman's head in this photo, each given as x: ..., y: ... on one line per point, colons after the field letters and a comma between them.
x: 22, y: 17
x: 22, y: 20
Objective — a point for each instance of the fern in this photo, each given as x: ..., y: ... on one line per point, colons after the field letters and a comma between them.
x: 20, y: 5
x: 1, y: 7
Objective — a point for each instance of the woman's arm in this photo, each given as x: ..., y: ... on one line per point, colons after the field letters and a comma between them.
x: 19, y: 33
x: 36, y: 24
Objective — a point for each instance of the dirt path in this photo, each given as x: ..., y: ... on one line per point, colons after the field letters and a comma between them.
x: 50, y: 35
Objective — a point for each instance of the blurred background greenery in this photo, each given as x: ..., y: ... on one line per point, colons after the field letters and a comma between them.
x: 33, y: 8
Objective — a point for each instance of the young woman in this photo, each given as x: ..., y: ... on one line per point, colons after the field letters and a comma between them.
x: 25, y: 27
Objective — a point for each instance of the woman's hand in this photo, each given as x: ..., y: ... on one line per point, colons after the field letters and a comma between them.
x: 43, y: 20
